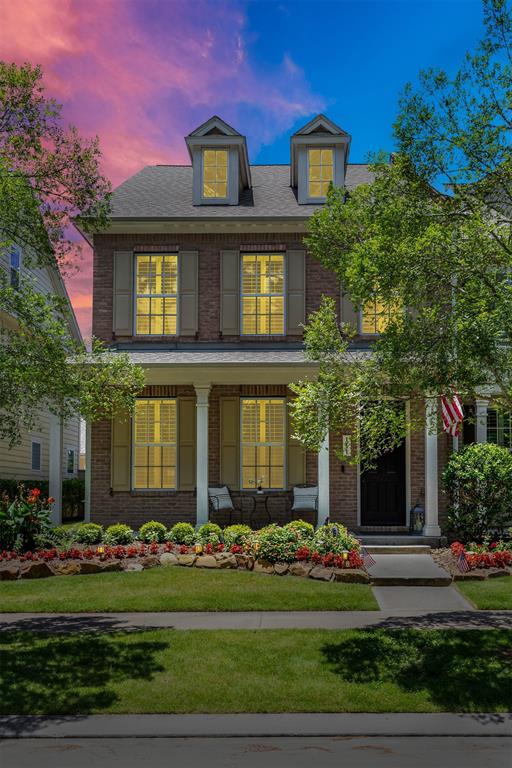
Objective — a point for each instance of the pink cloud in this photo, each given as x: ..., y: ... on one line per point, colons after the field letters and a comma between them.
x: 142, y: 75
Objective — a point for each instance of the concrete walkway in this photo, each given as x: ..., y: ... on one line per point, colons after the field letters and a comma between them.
x: 275, y: 724
x: 408, y: 570
x: 389, y: 619
x: 401, y: 599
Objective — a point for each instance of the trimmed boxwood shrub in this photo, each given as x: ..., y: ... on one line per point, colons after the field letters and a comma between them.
x: 152, y: 531
x: 119, y: 534
x: 277, y: 545
x: 236, y: 534
x: 478, y: 481
x: 333, y: 538
x: 304, y: 529
x: 209, y: 533
x: 87, y: 533
x: 182, y: 533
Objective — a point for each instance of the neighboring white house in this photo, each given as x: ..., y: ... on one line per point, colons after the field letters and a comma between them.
x: 51, y: 450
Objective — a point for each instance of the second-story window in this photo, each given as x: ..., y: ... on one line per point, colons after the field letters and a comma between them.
x: 215, y: 173
x: 377, y: 314
x: 320, y: 171
x: 156, y: 294
x: 14, y: 266
x: 262, y: 297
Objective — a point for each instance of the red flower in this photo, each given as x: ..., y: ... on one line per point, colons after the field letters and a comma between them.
x: 35, y: 492
x: 51, y: 500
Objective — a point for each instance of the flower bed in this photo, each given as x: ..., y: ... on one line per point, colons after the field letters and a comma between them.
x: 491, y: 558
x: 328, y: 553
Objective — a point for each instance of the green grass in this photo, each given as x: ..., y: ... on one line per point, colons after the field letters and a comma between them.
x: 491, y: 594
x: 182, y: 589
x: 256, y: 671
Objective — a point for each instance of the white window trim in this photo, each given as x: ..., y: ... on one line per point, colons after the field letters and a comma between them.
x: 133, y: 443
x: 40, y: 443
x: 242, y: 294
x: 156, y: 296
x: 285, y: 443
x: 213, y: 200
x: 322, y: 198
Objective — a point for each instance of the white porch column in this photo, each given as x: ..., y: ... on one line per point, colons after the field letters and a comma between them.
x: 431, y: 527
x: 202, y: 403
x: 88, y: 470
x: 55, y: 467
x: 323, y: 481
x: 481, y: 420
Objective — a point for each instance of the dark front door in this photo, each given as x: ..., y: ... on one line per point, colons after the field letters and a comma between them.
x: 383, y: 490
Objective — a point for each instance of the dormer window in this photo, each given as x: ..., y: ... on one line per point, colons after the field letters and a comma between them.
x: 215, y: 173
x: 320, y: 171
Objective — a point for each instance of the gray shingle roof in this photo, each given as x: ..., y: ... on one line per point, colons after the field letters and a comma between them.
x: 165, y: 191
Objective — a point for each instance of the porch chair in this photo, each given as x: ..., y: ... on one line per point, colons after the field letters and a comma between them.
x: 221, y: 500
x: 304, y: 499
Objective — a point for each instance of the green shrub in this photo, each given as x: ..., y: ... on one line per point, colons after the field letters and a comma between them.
x: 236, y: 534
x: 209, y: 533
x: 88, y: 533
x: 182, y: 533
x: 152, y: 531
x: 119, y: 534
x: 333, y: 538
x: 276, y: 544
x: 304, y: 529
x: 478, y: 481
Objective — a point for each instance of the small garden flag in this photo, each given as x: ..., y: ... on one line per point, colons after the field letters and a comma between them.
x: 452, y: 414
x: 368, y: 560
x: 462, y: 563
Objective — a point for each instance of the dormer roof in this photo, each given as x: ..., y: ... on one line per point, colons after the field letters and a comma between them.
x: 216, y: 133
x: 321, y: 124
x: 317, y: 132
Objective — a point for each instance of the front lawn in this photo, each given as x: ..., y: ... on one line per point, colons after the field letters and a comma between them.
x: 256, y: 671
x: 182, y: 589
x: 489, y: 594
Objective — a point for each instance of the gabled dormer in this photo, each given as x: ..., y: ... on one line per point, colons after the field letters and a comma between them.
x: 220, y: 163
x: 319, y: 156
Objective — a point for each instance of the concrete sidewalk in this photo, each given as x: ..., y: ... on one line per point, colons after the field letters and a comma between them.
x: 389, y: 619
x: 247, y: 725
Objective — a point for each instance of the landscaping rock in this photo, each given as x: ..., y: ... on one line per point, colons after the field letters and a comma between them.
x: 351, y: 575
x: 132, y: 567
x: 206, y: 561
x: 263, y: 566
x: 111, y: 565
x: 90, y: 566
x: 39, y: 570
x: 65, y: 569
x: 226, y: 560
x: 321, y: 573
x: 149, y: 561
x: 281, y: 569
x: 9, y: 572
x: 300, y: 569
x: 167, y: 559
x: 187, y: 560
x: 497, y: 573
x: 245, y: 561
x: 470, y: 576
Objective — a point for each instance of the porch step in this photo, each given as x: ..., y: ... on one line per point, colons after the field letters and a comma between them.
x: 397, y: 540
x: 398, y: 549
x: 407, y: 570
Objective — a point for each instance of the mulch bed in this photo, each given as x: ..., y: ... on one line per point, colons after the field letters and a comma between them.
x: 447, y: 560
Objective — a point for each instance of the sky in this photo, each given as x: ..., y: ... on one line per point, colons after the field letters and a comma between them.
x: 142, y: 74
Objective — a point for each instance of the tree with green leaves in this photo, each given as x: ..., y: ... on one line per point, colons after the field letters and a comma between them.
x: 49, y: 175
x: 430, y: 236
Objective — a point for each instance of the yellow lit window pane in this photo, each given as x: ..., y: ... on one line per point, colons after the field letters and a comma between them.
x: 262, y: 287
x: 221, y: 157
x: 154, y: 451
x: 156, y: 301
x: 215, y: 173
x: 263, y: 442
x: 376, y: 315
x: 210, y: 173
x: 222, y: 173
x: 326, y: 157
x: 315, y: 189
x: 314, y: 157
x: 156, y: 327
x: 276, y: 477
x: 142, y: 326
x: 209, y: 190
x: 320, y: 171
x: 140, y: 477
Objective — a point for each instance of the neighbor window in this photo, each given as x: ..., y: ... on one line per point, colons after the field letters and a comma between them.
x: 70, y: 461
x: 499, y: 428
x: 156, y: 294
x: 263, y: 440
x: 320, y: 171
x: 377, y: 314
x: 215, y: 173
x: 154, y: 450
x: 14, y: 266
x: 262, y: 293
x: 36, y: 456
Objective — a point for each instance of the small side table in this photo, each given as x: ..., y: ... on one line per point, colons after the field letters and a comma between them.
x: 259, y: 499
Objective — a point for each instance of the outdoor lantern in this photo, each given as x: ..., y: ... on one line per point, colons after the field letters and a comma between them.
x: 417, y: 519
x: 199, y: 549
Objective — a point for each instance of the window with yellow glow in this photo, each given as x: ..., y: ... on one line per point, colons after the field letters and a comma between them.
x: 320, y: 171
x: 154, y: 449
x: 215, y: 173
x: 263, y: 441
x: 156, y: 294
x: 262, y: 293
x: 376, y: 315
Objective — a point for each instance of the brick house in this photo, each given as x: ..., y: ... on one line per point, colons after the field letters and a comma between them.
x: 203, y: 278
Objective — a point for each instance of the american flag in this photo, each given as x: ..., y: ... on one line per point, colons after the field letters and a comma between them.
x: 462, y: 563
x: 452, y: 412
x: 368, y: 560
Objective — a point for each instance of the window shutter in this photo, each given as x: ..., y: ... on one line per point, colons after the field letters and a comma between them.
x: 230, y: 293
x: 121, y: 452
x: 295, y: 292
x: 349, y: 313
x: 296, y: 464
x: 187, y: 443
x: 123, y: 293
x: 230, y: 441
x: 187, y: 293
